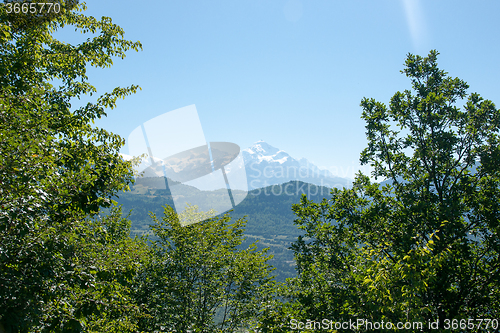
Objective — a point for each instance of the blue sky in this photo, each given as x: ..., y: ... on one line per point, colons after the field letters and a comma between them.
x: 289, y: 72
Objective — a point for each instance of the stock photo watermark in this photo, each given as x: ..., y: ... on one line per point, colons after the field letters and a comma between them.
x: 177, y: 151
x: 362, y: 324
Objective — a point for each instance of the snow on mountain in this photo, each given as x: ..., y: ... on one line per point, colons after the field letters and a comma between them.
x: 267, y: 165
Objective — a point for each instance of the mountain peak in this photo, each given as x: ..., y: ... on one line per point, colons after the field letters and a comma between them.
x: 267, y: 165
x: 262, y: 148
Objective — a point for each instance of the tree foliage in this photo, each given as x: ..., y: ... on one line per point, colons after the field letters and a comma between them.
x: 424, y: 245
x: 199, y: 279
x: 56, y: 169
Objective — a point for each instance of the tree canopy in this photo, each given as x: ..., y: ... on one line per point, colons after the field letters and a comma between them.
x: 56, y: 169
x: 424, y: 244
x: 200, y: 278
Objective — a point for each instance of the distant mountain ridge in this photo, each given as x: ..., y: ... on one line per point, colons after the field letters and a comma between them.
x: 267, y: 165
x: 263, y: 164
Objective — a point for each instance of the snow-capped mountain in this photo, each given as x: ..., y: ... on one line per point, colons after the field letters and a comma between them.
x: 262, y: 163
x: 267, y: 165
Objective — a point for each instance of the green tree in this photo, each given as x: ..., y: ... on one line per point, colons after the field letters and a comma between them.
x: 424, y: 245
x: 56, y: 169
x: 199, y: 280
x: 98, y: 291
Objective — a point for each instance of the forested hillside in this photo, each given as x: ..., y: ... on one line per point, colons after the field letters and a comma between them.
x: 268, y: 212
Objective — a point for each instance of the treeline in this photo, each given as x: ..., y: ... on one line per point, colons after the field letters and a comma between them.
x: 422, y: 248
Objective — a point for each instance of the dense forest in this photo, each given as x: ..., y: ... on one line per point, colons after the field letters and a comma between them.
x: 423, y: 247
